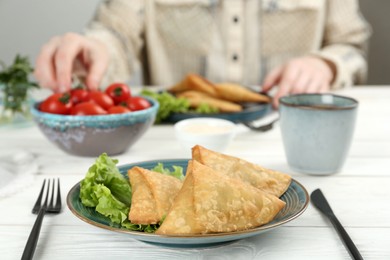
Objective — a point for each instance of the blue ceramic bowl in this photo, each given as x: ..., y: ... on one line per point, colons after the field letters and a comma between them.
x: 94, y: 135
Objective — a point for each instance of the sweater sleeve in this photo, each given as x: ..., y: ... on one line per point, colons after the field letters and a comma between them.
x: 346, y: 42
x: 119, y: 24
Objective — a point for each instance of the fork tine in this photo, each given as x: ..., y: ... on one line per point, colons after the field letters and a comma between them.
x: 47, y: 194
x: 37, y: 205
x: 58, y: 203
x: 51, y: 205
x: 57, y: 207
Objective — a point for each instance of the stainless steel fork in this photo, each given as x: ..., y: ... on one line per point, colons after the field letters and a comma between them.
x: 42, y: 209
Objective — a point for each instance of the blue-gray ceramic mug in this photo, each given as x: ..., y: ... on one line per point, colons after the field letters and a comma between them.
x: 317, y: 131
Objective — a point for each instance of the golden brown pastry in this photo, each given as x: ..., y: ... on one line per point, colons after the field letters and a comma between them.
x: 194, y: 82
x: 152, y: 195
x: 179, y: 87
x: 198, y: 83
x: 236, y: 93
x: 270, y: 181
x: 211, y: 202
x: 197, y: 98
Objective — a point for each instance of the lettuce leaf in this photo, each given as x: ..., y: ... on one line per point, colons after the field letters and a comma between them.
x: 109, y: 192
x: 171, y: 104
x: 106, y: 189
x: 177, y: 171
x: 168, y: 104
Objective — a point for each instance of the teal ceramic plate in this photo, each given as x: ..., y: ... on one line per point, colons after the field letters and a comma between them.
x: 251, y: 112
x: 296, y: 198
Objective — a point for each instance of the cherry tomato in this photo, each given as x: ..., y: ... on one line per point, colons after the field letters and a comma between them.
x: 88, y: 108
x: 57, y: 103
x: 119, y: 92
x: 101, y: 98
x: 137, y: 103
x: 118, y: 110
x: 79, y: 95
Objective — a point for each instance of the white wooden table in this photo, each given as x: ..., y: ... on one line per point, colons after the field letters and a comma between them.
x: 359, y: 195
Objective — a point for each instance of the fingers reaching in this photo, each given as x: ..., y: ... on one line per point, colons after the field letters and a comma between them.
x: 70, y: 47
x: 272, y: 79
x: 55, y: 64
x: 44, y: 69
x: 302, y: 75
x: 98, y: 66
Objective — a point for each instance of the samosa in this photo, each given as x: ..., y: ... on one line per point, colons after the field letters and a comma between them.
x: 152, y: 195
x: 211, y: 202
x: 197, y: 98
x: 270, y: 181
x: 237, y: 93
x: 195, y: 82
x: 198, y: 83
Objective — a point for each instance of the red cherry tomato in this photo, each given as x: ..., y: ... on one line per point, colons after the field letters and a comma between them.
x: 79, y: 95
x: 119, y: 92
x: 88, y: 108
x: 118, y: 110
x: 101, y: 98
x: 137, y: 103
x: 57, y: 103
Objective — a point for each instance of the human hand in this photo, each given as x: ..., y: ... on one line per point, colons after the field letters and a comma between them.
x: 308, y: 74
x: 71, y: 54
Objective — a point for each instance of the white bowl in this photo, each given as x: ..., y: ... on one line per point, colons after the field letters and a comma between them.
x: 213, y: 133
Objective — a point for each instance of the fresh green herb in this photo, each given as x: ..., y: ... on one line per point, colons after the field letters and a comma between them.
x: 15, y: 86
x: 109, y: 192
x: 177, y: 171
x: 206, y: 109
x: 168, y: 104
x: 106, y: 189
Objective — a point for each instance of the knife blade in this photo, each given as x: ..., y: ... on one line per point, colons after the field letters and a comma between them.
x: 319, y: 201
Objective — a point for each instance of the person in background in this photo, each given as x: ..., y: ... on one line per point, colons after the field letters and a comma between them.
x: 294, y: 46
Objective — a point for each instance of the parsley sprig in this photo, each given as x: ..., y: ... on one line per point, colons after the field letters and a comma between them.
x: 15, y: 84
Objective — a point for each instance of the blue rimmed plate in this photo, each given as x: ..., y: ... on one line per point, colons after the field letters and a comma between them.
x: 296, y: 198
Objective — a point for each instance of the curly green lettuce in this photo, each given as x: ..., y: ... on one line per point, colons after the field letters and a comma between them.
x: 168, y: 104
x: 177, y: 171
x: 105, y: 189
x: 109, y: 192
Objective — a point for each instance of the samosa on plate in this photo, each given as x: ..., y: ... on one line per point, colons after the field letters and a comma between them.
x: 197, y: 98
x: 211, y: 202
x: 270, y: 181
x: 179, y: 87
x: 237, y: 93
x: 199, y: 83
x: 152, y: 195
x: 195, y: 82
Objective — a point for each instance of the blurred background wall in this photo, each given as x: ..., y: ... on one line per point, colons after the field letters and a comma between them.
x: 377, y: 13
x: 27, y: 24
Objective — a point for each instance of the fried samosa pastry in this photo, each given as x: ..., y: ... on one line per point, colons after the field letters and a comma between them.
x: 198, y: 83
x: 197, y: 98
x: 211, y: 202
x: 152, y: 195
x: 194, y: 82
x: 237, y: 93
x: 270, y: 181
x: 179, y: 87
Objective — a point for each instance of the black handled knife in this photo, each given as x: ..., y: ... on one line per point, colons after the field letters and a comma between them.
x: 320, y: 202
